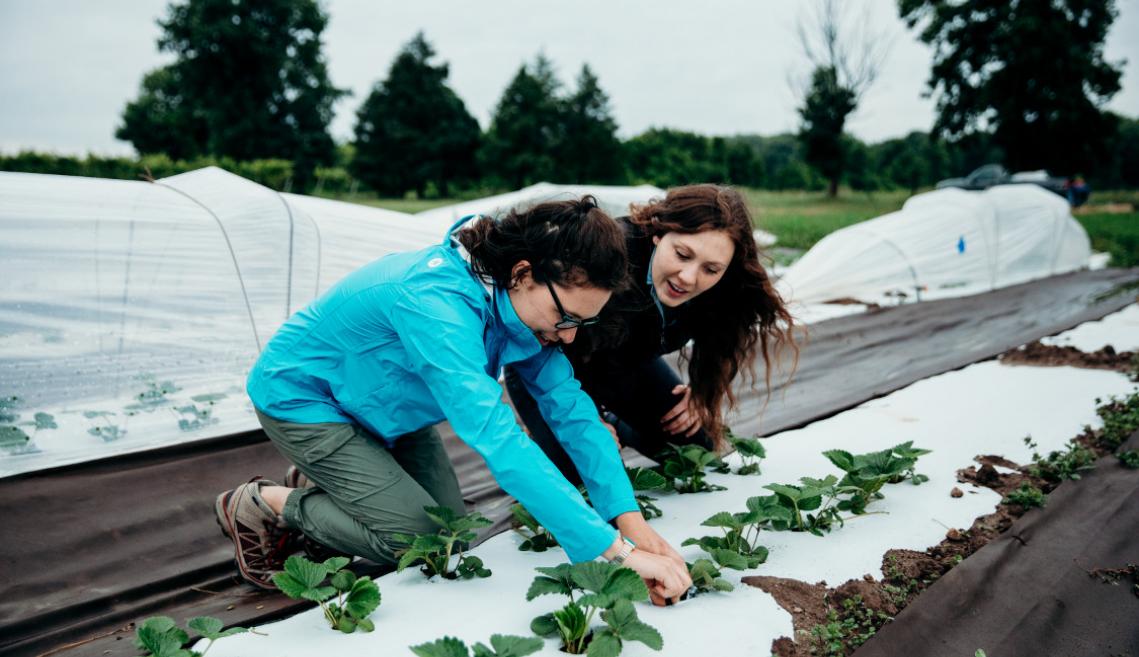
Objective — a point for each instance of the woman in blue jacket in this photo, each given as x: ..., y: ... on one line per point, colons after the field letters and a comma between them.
x: 350, y: 387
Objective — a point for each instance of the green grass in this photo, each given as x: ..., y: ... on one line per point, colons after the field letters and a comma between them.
x: 800, y: 219
x: 1117, y: 234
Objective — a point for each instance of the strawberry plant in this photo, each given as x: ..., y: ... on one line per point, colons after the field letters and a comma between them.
x: 434, y: 551
x: 685, y: 465
x: 538, y: 539
x: 355, y: 597
x: 706, y: 577
x: 736, y: 548
x: 818, y: 495
x: 605, y: 588
x: 501, y: 645
x: 160, y: 636
x: 1129, y: 458
x: 751, y: 452
x: 1066, y: 463
x: 643, y: 480
x: 867, y: 473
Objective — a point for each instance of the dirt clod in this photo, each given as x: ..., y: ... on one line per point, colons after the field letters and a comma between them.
x: 1038, y: 354
x: 956, y: 492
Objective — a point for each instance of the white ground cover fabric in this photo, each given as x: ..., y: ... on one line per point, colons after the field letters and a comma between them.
x: 130, y: 312
x: 614, y: 199
x: 1119, y: 329
x: 987, y: 408
x: 947, y: 242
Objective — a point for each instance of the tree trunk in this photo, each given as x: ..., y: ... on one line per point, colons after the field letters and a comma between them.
x: 832, y: 187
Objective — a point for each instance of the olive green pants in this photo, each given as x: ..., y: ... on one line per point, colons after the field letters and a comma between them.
x: 364, y: 491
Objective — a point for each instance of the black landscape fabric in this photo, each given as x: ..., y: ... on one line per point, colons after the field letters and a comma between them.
x: 1044, y: 587
x: 86, y: 550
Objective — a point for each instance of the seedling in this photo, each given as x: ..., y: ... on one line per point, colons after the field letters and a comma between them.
x: 846, y: 630
x: 356, y: 597
x: 605, y: 588
x: 1059, y: 465
x: 434, y: 551
x: 1129, y: 458
x: 642, y: 480
x: 751, y: 452
x: 736, y: 548
x: 706, y: 577
x: 11, y: 436
x: 686, y: 465
x: 1027, y: 496
x: 501, y: 645
x: 194, y: 417
x: 538, y: 539
x: 160, y: 636
x: 1120, y: 419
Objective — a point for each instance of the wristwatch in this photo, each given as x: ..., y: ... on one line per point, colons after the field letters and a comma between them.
x: 626, y: 550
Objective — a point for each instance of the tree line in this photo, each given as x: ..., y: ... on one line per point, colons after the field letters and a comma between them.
x: 249, y: 90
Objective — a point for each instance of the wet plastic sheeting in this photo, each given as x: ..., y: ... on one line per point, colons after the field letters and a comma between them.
x: 130, y: 311
x: 108, y: 292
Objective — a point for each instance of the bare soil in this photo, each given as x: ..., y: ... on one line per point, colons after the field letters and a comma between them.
x: 904, y: 573
x: 1043, y: 355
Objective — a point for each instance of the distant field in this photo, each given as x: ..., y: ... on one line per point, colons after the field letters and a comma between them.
x: 800, y: 219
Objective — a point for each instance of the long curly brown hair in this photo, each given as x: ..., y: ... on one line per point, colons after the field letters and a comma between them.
x: 741, y: 316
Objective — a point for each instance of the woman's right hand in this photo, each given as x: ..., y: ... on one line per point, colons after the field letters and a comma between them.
x: 667, y: 580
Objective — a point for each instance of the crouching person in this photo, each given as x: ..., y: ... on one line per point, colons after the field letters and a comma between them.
x: 349, y: 390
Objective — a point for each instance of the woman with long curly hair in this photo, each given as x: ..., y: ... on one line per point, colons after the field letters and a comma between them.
x: 698, y: 287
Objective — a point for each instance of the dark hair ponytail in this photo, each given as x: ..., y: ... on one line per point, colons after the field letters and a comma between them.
x: 565, y: 242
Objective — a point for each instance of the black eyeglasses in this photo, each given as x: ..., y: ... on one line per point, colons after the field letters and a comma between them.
x: 568, y: 321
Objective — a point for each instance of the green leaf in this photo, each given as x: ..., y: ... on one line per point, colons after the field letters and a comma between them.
x: 346, y: 624
x: 448, y: 646
x: 365, y: 624
x: 646, y: 634
x: 333, y: 564
x: 544, y: 625
x: 440, y: 515
x: 621, y: 614
x: 12, y: 436
x: 572, y: 624
x: 45, y: 421
x: 592, y: 575
x: 305, y: 572
x: 729, y: 559
x: 643, y: 479
x: 604, y: 644
x: 786, y: 491
x: 722, y: 585
x: 363, y: 598
x: 841, y: 458
x: 160, y: 636
x: 558, y: 580
x: 506, y: 645
x: 343, y: 580
x: 626, y: 584
x: 722, y: 519
x: 207, y: 626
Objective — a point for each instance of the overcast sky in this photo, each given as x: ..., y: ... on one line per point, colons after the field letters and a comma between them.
x: 711, y: 66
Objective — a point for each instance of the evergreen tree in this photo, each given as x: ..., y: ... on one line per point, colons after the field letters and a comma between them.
x: 824, y: 113
x: 413, y: 129
x: 248, y: 82
x: 591, y: 152
x: 1030, y: 72
x: 527, y: 131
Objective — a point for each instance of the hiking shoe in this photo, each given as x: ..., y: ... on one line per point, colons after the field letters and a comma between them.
x: 313, y: 549
x: 294, y: 478
x: 261, y: 540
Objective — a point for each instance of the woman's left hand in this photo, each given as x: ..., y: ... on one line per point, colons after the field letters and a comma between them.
x: 682, y: 418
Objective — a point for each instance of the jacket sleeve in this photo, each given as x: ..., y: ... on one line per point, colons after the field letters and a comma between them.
x: 573, y: 418
x: 443, y: 337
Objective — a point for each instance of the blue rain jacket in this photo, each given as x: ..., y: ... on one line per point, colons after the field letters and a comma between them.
x: 415, y: 338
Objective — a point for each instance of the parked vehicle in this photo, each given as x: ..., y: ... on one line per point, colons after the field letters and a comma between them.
x: 990, y: 175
